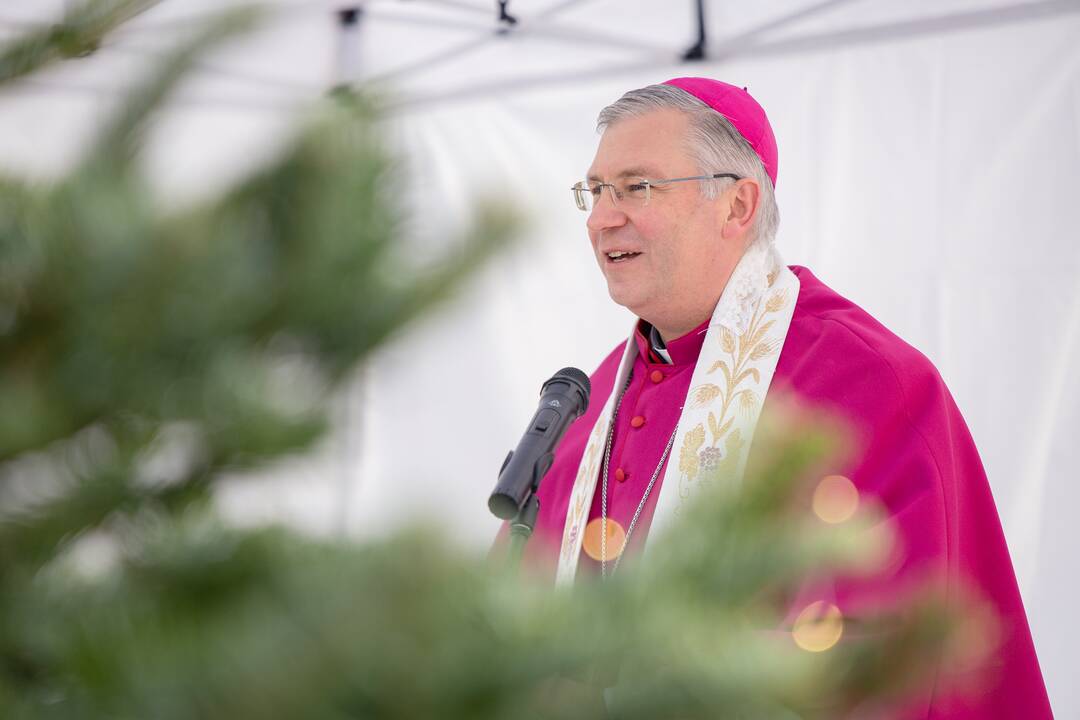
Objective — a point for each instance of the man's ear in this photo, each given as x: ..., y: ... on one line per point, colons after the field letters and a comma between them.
x: 745, y: 197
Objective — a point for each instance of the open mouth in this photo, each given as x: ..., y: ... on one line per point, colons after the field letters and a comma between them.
x: 619, y: 256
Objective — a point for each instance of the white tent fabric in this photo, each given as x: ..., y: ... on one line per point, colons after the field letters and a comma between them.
x: 929, y: 170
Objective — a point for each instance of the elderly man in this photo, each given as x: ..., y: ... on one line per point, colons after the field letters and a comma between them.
x: 681, y: 217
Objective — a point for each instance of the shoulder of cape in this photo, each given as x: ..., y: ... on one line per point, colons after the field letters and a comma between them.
x: 838, y: 328
x: 845, y: 358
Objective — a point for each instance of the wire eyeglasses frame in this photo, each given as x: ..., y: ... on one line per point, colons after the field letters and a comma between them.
x: 637, y: 190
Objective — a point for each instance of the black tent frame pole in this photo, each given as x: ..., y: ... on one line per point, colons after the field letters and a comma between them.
x: 697, y: 51
x: 505, y: 19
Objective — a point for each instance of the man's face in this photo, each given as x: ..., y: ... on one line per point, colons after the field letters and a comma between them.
x: 682, y: 261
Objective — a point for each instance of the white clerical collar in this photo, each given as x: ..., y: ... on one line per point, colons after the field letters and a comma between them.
x: 658, y: 345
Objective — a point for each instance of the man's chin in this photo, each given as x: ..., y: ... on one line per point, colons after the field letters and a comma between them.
x: 632, y: 301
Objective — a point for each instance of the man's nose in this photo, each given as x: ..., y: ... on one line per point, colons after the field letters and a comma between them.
x: 605, y: 213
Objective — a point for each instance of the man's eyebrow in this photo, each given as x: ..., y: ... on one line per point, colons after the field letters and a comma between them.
x: 637, y: 171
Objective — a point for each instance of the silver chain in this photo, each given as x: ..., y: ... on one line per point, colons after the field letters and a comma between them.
x: 644, y: 498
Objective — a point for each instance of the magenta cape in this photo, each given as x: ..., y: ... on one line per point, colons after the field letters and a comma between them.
x: 915, y: 455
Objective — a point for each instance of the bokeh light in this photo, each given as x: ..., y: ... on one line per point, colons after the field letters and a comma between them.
x: 594, y: 531
x: 818, y: 627
x: 835, y: 499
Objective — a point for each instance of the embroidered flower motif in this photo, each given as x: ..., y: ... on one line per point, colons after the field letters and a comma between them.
x: 727, y: 341
x: 702, y: 395
x: 776, y: 301
x: 747, y: 400
x: 762, y: 349
x: 689, y: 464
x: 756, y: 335
x: 709, y: 458
x: 718, y: 430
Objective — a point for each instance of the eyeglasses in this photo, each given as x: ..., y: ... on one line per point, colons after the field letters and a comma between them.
x: 634, y: 192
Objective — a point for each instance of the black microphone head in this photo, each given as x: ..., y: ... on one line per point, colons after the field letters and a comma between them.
x: 576, y: 377
x: 563, y: 399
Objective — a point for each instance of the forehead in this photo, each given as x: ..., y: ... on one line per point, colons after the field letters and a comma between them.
x: 651, y: 145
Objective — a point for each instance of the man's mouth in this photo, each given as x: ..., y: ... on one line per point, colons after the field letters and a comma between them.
x: 618, y: 256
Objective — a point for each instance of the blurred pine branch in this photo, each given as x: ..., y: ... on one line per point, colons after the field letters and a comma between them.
x: 79, y: 33
x: 122, y: 325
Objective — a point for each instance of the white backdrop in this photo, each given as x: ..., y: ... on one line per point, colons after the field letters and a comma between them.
x: 929, y: 170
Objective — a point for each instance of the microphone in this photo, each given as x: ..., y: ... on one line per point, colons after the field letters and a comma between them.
x: 563, y: 399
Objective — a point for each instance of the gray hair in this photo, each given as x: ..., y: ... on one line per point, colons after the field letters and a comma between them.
x: 713, y: 142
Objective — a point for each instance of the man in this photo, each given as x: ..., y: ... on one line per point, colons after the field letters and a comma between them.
x: 681, y: 217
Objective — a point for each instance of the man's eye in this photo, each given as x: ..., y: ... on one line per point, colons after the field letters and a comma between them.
x: 636, y: 187
x: 595, y: 190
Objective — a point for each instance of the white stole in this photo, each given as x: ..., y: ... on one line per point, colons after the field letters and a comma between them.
x: 727, y: 391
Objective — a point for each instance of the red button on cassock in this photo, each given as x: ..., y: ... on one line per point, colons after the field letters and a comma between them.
x: 637, y: 421
x: 656, y: 376
x: 621, y: 475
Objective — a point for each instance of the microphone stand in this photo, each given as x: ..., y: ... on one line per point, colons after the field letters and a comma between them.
x: 521, y: 529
